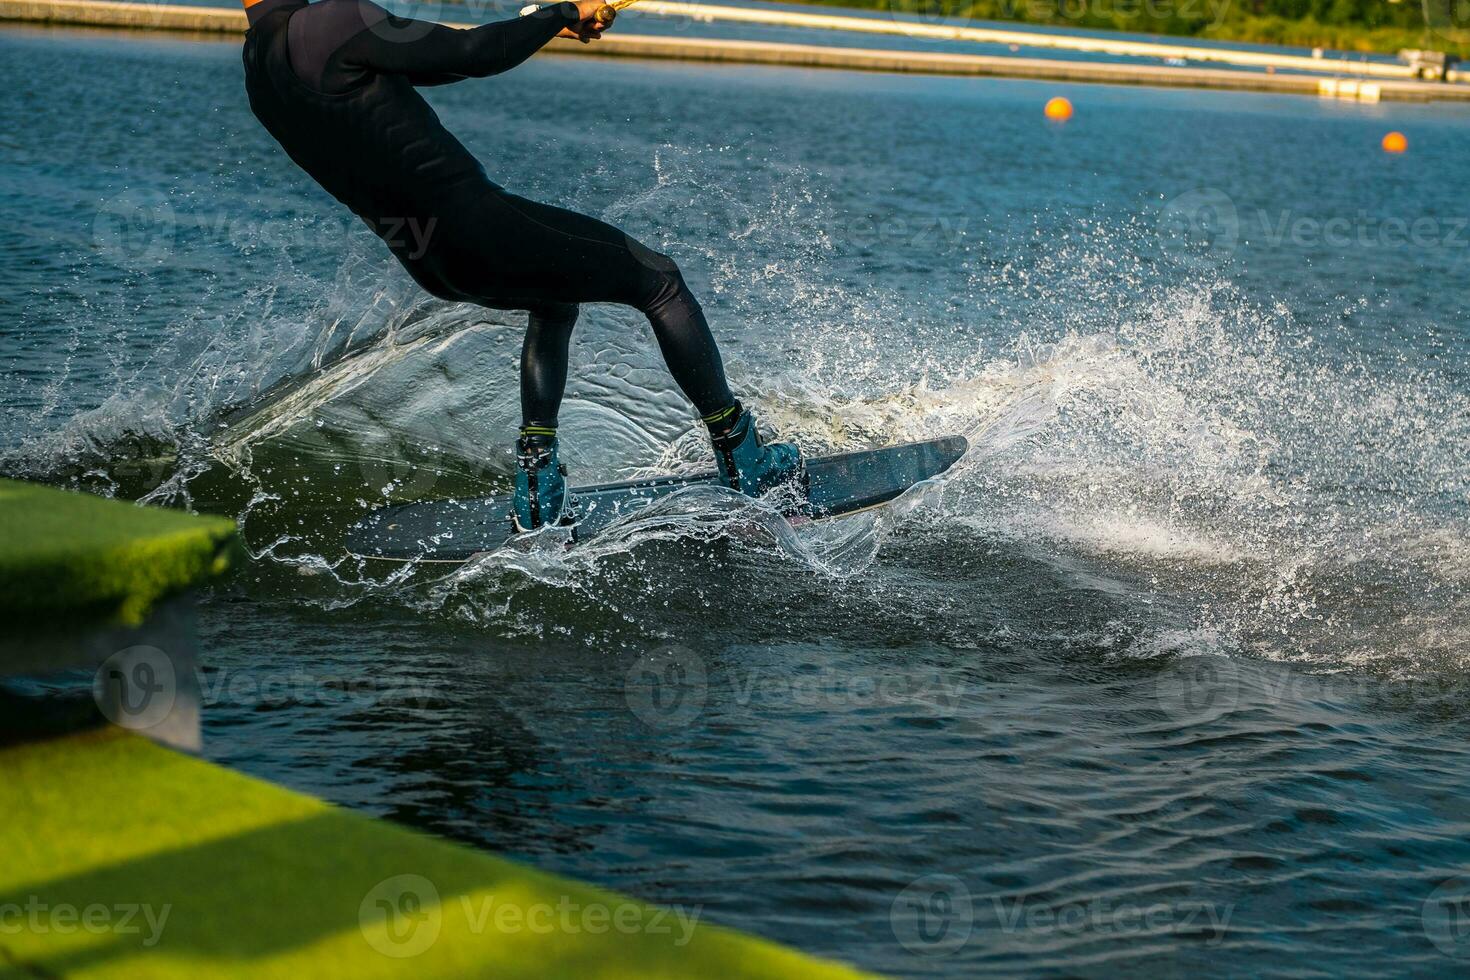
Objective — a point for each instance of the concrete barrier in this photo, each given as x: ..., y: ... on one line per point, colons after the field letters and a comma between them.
x: 102, y: 13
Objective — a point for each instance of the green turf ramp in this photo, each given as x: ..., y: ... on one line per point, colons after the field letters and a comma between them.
x: 229, y: 876
x: 76, y: 559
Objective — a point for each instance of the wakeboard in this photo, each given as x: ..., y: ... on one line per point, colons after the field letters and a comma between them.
x: 456, y: 530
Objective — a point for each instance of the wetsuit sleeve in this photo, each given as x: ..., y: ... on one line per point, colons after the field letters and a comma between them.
x: 432, y: 54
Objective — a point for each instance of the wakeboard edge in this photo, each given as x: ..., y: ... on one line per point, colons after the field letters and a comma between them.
x: 454, y: 530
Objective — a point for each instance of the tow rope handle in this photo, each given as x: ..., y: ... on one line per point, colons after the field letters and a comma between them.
x: 604, y: 17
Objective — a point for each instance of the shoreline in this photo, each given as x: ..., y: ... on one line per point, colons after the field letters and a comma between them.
x: 1265, y: 30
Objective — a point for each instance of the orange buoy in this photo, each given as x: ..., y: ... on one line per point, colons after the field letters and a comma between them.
x: 1058, y: 109
x: 1395, y: 142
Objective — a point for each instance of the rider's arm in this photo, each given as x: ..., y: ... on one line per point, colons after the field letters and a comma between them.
x: 432, y: 54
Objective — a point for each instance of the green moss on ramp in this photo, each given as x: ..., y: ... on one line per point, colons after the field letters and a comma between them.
x: 261, y: 882
x: 75, y: 559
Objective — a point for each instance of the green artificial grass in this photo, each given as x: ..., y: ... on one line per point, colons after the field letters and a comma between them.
x: 228, y: 876
x: 75, y: 559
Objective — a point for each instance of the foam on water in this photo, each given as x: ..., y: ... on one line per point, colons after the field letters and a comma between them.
x: 1307, y: 499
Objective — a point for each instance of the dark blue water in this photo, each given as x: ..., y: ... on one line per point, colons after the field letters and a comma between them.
x: 1169, y: 677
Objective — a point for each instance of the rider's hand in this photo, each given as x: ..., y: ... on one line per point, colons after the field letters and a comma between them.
x: 588, y: 28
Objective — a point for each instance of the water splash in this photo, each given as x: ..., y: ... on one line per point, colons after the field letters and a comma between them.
x: 1296, y: 492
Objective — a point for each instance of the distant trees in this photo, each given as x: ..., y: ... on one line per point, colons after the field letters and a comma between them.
x: 1347, y: 25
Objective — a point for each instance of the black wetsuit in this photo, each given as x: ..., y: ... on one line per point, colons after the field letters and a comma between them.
x: 334, y: 82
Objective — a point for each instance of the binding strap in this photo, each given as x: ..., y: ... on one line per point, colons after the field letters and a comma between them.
x: 715, y: 418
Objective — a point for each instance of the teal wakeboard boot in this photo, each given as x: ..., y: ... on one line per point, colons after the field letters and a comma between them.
x: 541, y: 483
x: 748, y: 465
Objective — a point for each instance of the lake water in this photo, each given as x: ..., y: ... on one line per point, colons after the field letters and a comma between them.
x: 1169, y: 676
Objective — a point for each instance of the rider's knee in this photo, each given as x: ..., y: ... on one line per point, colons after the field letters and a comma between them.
x: 660, y: 279
x: 664, y: 288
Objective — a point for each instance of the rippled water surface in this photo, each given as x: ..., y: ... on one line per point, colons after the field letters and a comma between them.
x: 1169, y: 676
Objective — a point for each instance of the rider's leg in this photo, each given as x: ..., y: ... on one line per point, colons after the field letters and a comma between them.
x: 683, y: 334
x: 540, y: 483
x: 540, y: 255
x: 544, y: 363
x: 744, y: 462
